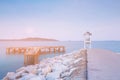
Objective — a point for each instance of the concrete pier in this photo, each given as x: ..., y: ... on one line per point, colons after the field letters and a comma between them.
x: 103, y: 65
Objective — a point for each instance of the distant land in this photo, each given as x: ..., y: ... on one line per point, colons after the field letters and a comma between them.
x: 29, y: 39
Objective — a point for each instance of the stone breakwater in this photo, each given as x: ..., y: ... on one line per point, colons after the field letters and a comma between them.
x: 71, y: 66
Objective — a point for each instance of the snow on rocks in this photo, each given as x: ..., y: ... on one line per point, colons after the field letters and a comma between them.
x: 58, y: 68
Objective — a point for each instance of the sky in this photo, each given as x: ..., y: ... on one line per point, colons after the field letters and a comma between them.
x: 60, y: 19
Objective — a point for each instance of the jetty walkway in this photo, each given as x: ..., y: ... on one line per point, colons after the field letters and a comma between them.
x: 103, y: 65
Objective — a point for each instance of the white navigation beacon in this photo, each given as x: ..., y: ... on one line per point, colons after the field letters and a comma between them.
x: 87, y: 40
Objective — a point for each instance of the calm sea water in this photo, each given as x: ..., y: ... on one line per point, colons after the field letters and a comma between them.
x: 10, y: 63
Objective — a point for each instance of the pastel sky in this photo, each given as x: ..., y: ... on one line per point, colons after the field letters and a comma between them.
x: 60, y: 19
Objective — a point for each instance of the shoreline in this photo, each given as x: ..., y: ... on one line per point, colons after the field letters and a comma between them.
x: 61, y: 67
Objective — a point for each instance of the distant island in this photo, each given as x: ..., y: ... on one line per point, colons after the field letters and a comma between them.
x: 29, y: 39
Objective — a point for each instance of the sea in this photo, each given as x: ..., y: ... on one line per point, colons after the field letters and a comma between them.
x: 10, y: 63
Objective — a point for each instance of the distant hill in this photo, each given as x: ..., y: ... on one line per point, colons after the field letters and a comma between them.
x: 29, y: 39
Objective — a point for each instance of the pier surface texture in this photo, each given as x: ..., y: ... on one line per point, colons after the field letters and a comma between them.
x: 103, y: 65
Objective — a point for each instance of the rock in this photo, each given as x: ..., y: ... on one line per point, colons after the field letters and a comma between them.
x: 59, y: 67
x: 42, y: 64
x: 67, y: 73
x: 31, y: 69
x: 34, y: 71
x: 39, y: 71
x: 27, y: 77
x: 20, y: 69
x: 38, y: 78
x: 53, y: 76
x: 19, y: 74
x: 71, y: 70
x: 24, y: 74
x: 76, y: 61
x: 67, y: 61
x: 67, y: 78
x: 5, y: 78
x: 10, y: 76
x: 46, y: 70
